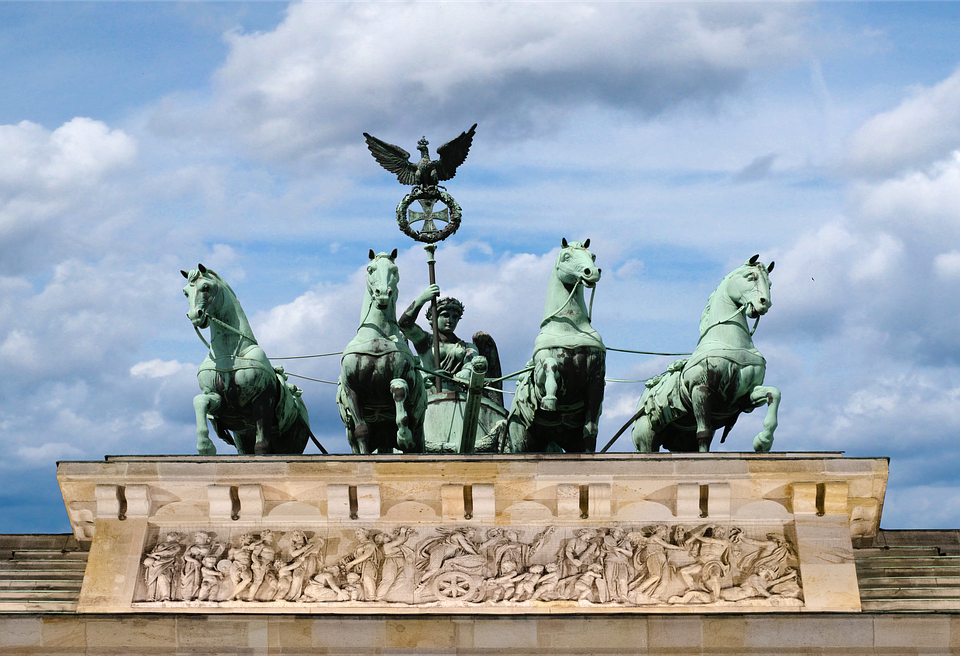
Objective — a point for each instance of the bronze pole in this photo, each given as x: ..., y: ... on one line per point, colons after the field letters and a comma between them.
x: 431, y: 263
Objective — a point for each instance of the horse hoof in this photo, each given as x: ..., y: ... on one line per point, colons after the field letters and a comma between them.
x: 208, y: 449
x: 549, y: 403
x: 405, y: 439
x: 762, y: 443
x: 261, y: 449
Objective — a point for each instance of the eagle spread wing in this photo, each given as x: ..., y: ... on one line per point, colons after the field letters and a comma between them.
x: 395, y: 159
x: 453, y: 153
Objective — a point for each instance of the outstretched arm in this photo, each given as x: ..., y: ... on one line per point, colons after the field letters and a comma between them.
x: 408, y: 319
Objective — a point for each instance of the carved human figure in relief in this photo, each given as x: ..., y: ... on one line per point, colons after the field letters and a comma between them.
x: 159, y: 567
x: 303, y: 564
x: 366, y: 558
x: 517, y: 554
x: 578, y: 552
x: 210, y: 578
x: 263, y: 557
x: 241, y: 573
x: 395, y: 556
x: 773, y: 552
x: 488, y: 549
x: 502, y: 587
x: 451, y: 543
x: 190, y: 576
x: 547, y: 584
x: 587, y: 582
x: 353, y: 588
x: 712, y: 565
x: 757, y: 585
x: 528, y: 583
x: 652, y: 555
x: 325, y: 586
x: 616, y: 552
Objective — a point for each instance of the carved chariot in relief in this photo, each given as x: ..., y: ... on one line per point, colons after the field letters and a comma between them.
x: 620, y: 566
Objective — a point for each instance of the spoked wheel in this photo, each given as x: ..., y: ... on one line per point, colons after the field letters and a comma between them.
x: 453, y: 587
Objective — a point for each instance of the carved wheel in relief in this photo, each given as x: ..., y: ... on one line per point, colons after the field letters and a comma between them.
x: 452, y: 587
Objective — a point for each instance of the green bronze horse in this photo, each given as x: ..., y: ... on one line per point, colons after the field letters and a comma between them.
x: 558, y: 403
x: 240, y: 391
x: 682, y: 407
x: 381, y: 395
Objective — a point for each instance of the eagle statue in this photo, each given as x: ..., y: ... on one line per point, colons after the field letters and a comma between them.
x: 425, y: 173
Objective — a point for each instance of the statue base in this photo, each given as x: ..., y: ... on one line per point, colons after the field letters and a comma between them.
x: 473, y: 534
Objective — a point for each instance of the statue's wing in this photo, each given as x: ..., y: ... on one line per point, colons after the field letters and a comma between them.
x: 393, y: 158
x: 453, y: 153
x: 488, y: 349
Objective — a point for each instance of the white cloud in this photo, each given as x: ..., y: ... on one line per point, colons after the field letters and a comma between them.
x: 330, y: 71
x: 157, y: 368
x: 947, y: 265
x: 921, y: 202
x: 924, y: 128
x: 55, y: 189
x: 48, y: 452
x: 78, y: 153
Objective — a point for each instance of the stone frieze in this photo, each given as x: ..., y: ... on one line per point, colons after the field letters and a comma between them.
x: 656, y: 565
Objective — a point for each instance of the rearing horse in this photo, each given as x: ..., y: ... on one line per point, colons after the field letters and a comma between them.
x: 558, y: 403
x: 240, y: 390
x: 722, y: 378
x: 380, y: 393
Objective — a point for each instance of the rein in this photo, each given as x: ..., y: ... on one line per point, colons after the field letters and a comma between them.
x: 222, y: 324
x: 573, y: 291
x: 742, y: 308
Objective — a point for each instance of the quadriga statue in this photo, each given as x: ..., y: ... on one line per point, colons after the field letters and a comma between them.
x: 240, y: 391
x: 682, y: 407
x: 558, y: 403
x: 380, y: 393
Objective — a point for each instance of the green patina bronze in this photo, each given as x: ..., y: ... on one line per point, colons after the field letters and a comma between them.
x: 246, y: 399
x: 460, y: 404
x: 381, y: 395
x: 558, y: 401
x: 682, y: 407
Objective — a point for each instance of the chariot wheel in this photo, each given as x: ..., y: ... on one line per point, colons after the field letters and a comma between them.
x: 456, y: 587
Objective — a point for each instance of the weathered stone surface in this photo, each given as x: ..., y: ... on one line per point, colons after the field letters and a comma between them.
x: 451, y: 506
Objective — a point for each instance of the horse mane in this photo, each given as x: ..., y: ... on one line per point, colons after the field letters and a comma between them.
x: 241, y: 315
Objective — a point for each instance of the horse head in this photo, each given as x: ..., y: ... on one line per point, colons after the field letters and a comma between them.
x: 575, y: 263
x: 750, y: 287
x: 383, y: 277
x: 204, y: 293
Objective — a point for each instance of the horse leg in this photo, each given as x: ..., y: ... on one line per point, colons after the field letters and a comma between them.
x: 593, y: 400
x: 204, y: 404
x: 400, y: 389
x: 549, y: 369
x: 643, y: 435
x: 771, y: 396
x: 265, y: 419
x: 351, y: 411
x: 702, y: 399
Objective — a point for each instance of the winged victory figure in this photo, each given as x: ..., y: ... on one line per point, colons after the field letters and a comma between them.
x: 426, y: 172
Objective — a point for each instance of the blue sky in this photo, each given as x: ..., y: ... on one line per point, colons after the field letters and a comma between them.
x: 137, y: 139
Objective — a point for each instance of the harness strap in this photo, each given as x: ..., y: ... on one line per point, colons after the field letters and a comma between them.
x: 202, y: 339
x: 557, y: 311
x: 224, y: 324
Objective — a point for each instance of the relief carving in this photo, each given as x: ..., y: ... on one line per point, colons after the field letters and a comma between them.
x: 642, y: 566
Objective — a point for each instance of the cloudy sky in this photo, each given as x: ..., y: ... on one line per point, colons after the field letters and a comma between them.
x: 137, y: 139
